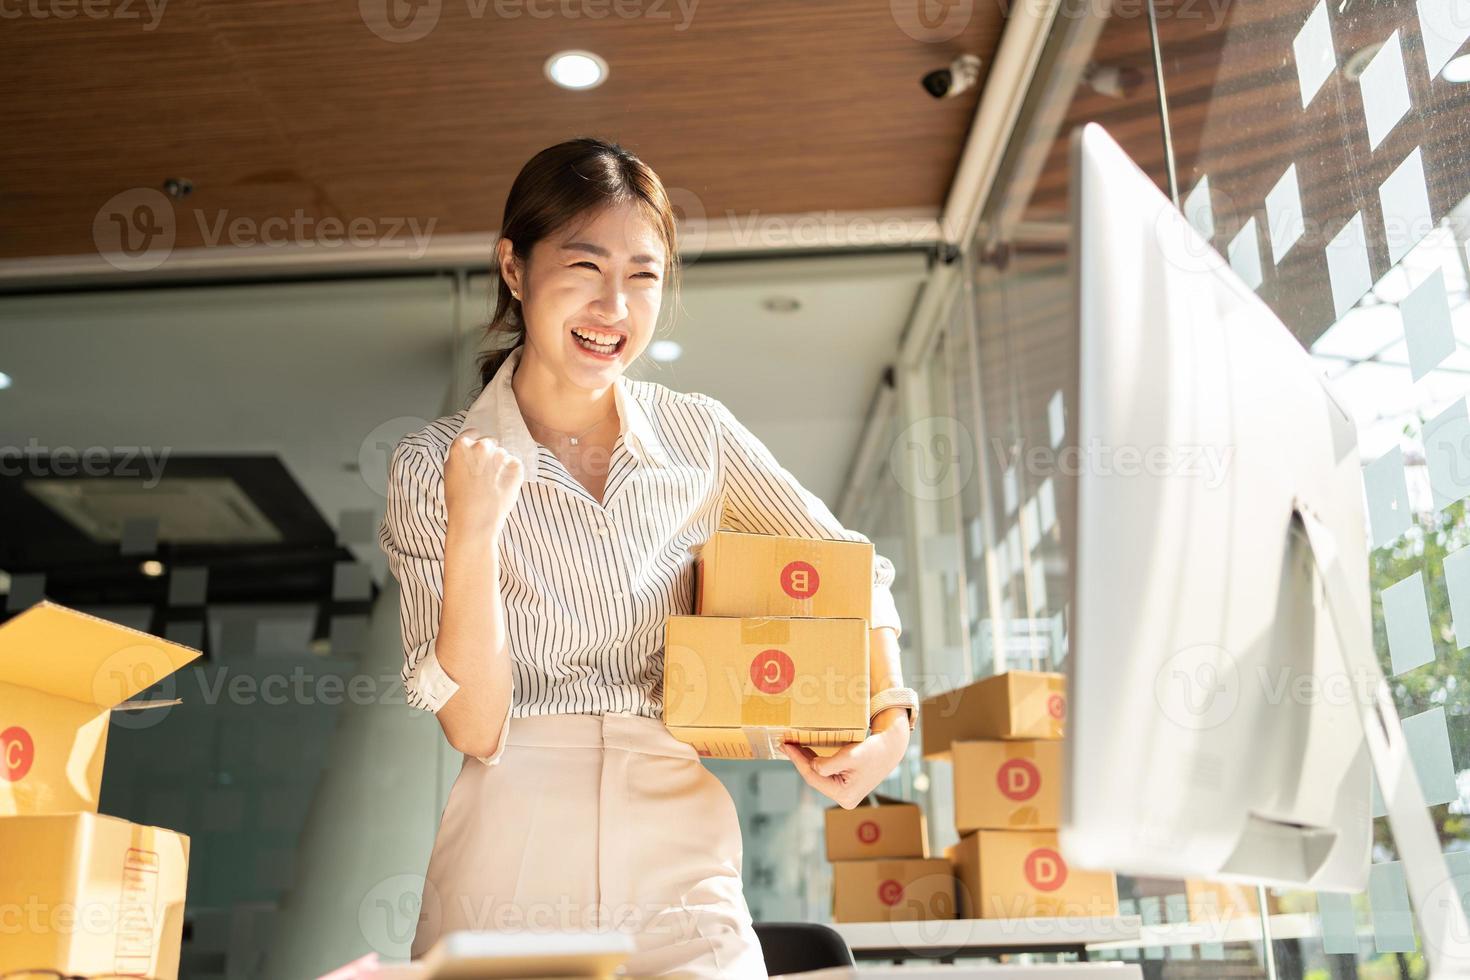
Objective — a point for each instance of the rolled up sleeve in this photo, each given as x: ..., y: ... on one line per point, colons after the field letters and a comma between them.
x: 412, y: 535
x: 763, y: 497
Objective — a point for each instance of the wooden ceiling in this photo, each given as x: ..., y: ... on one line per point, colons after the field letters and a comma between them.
x: 300, y: 110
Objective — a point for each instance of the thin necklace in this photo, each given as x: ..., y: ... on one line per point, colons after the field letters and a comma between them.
x: 572, y: 439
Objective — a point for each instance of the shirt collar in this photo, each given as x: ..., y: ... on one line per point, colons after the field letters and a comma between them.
x: 496, y: 414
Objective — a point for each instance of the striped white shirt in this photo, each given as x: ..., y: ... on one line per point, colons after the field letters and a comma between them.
x: 586, y: 586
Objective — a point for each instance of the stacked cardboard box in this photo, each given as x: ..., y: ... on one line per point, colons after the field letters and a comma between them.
x: 777, y: 648
x: 1216, y: 901
x: 1003, y: 737
x: 87, y: 894
x: 881, y: 868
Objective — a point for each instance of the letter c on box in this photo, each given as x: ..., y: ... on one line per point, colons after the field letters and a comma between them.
x: 772, y: 671
x: 17, y: 753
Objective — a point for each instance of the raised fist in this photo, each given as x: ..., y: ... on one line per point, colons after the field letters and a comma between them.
x: 482, y: 482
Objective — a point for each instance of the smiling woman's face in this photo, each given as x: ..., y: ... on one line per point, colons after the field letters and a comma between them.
x: 605, y: 278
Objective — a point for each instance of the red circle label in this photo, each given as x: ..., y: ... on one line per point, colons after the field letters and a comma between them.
x: 17, y: 753
x: 889, y: 892
x: 1056, y: 706
x: 799, y: 579
x: 1045, y: 870
x: 772, y: 671
x: 1018, y: 779
x: 868, y: 832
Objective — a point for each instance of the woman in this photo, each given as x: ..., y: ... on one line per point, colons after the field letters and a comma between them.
x: 540, y: 538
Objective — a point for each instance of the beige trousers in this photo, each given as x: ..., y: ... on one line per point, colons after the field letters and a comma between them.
x: 591, y: 822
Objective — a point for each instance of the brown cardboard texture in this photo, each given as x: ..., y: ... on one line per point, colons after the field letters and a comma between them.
x: 741, y: 574
x: 1017, y: 874
x: 735, y: 688
x: 1016, y: 704
x: 92, y: 895
x: 61, y: 674
x: 1216, y: 901
x: 892, y: 828
x: 892, y: 890
x: 1007, y: 785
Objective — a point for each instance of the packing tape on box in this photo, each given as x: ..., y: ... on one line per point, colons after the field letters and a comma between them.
x: 765, y: 743
x: 765, y: 630
x: 766, y: 709
x: 1020, y: 749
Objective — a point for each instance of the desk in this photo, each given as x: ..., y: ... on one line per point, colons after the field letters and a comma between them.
x: 943, y: 939
x: 978, y: 971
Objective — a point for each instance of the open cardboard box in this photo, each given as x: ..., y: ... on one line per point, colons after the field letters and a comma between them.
x: 95, y: 894
x: 62, y: 674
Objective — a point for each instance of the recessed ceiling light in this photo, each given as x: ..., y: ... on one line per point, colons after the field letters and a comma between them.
x: 782, y: 304
x: 152, y: 568
x: 665, y: 350
x: 576, y: 69
x: 4, y: 380
x: 1458, y: 70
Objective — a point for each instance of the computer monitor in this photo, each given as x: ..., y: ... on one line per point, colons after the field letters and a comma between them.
x: 1221, y: 671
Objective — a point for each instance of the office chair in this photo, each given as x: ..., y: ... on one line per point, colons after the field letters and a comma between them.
x: 796, y: 947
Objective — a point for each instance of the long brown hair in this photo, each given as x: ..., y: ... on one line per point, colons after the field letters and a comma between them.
x: 571, y: 180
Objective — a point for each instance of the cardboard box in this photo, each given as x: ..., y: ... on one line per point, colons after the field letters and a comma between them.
x: 741, y: 574
x: 1016, y: 704
x: 61, y: 674
x: 87, y: 895
x: 891, y: 829
x: 1007, y: 785
x: 902, y: 889
x: 735, y: 688
x: 1017, y: 874
x: 1215, y: 901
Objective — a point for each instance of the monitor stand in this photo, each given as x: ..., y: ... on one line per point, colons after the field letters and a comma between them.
x: 1444, y: 932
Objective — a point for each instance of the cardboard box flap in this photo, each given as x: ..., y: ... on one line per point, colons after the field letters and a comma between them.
x: 72, y: 655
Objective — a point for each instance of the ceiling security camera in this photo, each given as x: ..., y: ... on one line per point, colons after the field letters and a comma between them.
x: 961, y: 74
